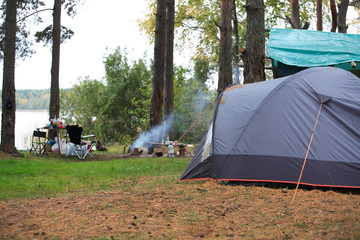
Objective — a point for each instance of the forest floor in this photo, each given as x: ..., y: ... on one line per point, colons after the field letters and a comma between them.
x: 162, y: 208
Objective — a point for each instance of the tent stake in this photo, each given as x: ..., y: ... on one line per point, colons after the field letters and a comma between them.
x: 307, y: 153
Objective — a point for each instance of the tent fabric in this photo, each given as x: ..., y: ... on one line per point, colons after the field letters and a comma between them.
x: 261, y: 131
x: 306, y: 48
x: 286, y: 70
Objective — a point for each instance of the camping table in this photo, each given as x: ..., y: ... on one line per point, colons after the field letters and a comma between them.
x: 58, y: 134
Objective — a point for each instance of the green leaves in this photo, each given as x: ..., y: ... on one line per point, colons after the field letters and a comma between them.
x: 197, y: 23
x: 192, y: 97
x: 128, y: 87
x: 116, y: 109
x: 82, y: 105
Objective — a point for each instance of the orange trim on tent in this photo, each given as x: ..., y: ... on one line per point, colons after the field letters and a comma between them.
x: 268, y: 181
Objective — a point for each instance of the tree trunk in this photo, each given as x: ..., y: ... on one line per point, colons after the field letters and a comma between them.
x: 333, y: 16
x: 254, y: 55
x: 236, y: 47
x: 225, y: 56
x: 319, y: 20
x: 8, y: 88
x: 54, y: 90
x: 295, y: 15
x: 169, y: 65
x: 159, y: 65
x: 343, y: 6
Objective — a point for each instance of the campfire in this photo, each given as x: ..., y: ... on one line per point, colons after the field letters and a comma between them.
x: 159, y: 150
x: 136, y: 152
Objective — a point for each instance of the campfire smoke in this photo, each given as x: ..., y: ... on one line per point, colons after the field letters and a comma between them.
x: 156, y: 133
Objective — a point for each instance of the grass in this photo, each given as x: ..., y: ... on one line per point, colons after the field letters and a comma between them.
x: 31, y: 177
x: 64, y: 198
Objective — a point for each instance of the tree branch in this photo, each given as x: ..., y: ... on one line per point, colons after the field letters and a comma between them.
x: 306, y: 25
x: 42, y: 10
x: 216, y: 24
x: 189, y: 26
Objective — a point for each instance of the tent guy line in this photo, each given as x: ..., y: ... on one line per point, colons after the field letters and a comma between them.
x: 307, y: 152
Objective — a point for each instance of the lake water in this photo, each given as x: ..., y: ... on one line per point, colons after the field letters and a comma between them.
x: 26, y: 121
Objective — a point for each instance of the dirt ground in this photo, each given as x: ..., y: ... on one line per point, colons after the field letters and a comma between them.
x: 185, y: 210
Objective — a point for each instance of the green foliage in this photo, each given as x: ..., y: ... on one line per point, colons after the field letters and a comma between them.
x: 199, y: 20
x: 23, y: 43
x: 117, y: 109
x: 83, y: 105
x: 27, y: 18
x: 192, y: 98
x: 128, y: 95
x: 279, y: 12
x: 34, y: 99
x: 197, y: 23
x: 202, y: 70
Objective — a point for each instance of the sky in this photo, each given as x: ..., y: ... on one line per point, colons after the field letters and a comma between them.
x: 99, y: 26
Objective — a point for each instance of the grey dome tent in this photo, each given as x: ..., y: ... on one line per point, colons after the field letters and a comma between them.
x: 261, y: 132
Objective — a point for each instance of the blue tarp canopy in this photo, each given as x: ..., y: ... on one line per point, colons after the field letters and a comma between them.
x: 306, y: 48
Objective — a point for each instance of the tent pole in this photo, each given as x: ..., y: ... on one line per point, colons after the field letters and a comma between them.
x: 307, y: 153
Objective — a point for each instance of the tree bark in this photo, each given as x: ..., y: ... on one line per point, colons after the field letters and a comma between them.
x: 169, y: 64
x: 225, y: 56
x: 295, y: 15
x: 54, y: 89
x: 8, y: 87
x: 319, y: 20
x: 343, y: 6
x: 159, y: 65
x: 333, y: 16
x: 236, y: 47
x: 254, y: 55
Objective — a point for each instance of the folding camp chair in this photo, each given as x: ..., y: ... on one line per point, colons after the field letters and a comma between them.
x: 38, y: 143
x: 80, y: 145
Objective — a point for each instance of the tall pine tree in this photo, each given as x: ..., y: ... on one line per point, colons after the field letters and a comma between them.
x: 157, y: 92
x: 254, y: 55
x: 8, y: 93
x: 225, y: 56
x: 169, y: 65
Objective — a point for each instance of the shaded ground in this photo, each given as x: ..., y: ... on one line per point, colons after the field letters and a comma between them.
x: 4, y: 155
x: 187, y: 210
